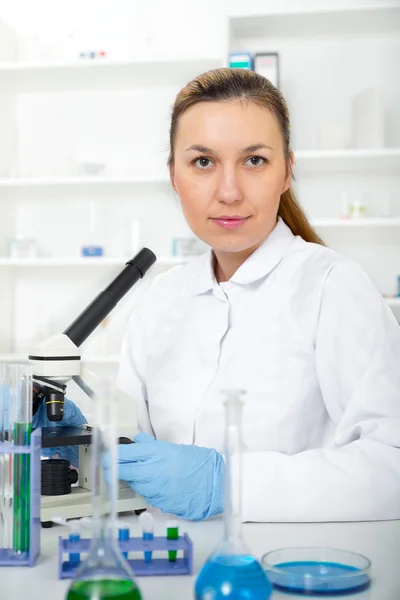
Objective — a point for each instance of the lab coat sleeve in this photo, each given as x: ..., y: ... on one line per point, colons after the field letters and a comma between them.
x: 357, y: 358
x: 131, y: 371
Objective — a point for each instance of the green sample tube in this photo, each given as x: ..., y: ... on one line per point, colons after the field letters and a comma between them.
x: 104, y: 589
x: 172, y: 534
x: 20, y: 382
x: 22, y: 488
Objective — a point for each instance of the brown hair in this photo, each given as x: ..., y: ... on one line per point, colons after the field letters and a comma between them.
x: 246, y: 85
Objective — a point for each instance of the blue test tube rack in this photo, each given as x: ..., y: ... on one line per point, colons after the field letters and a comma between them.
x: 157, y: 566
x: 7, y: 557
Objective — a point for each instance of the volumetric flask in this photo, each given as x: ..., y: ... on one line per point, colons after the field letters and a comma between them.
x: 105, y: 574
x: 231, y: 572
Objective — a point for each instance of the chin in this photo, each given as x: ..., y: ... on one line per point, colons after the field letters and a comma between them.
x: 235, y: 244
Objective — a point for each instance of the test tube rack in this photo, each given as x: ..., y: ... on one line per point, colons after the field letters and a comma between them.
x: 8, y: 558
x: 157, y: 566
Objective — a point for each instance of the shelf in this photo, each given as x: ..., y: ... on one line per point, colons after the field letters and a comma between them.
x: 82, y: 262
x: 254, y: 21
x: 360, y: 222
x: 347, y: 160
x: 62, y: 182
x: 393, y: 302
x: 101, y: 360
x: 104, y: 74
x: 305, y: 161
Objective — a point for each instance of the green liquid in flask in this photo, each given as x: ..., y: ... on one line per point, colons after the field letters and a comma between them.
x: 104, y: 589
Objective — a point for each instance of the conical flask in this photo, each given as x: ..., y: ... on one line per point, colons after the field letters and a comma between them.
x: 105, y: 574
x: 231, y: 572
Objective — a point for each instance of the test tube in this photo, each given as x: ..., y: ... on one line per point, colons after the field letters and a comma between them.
x: 20, y: 386
x: 146, y: 522
x: 6, y: 426
x: 74, y: 536
x: 172, y: 534
x: 2, y: 458
x: 123, y: 534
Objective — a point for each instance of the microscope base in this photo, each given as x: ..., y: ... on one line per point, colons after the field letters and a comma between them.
x: 79, y: 504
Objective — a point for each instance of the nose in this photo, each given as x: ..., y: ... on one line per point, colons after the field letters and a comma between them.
x: 228, y: 186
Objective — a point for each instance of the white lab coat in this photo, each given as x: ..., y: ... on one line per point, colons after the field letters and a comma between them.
x: 305, y: 332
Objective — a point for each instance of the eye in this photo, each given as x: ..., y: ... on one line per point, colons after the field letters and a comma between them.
x: 202, y: 162
x: 256, y: 161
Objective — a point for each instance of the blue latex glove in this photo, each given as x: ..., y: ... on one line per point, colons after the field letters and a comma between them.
x: 72, y: 418
x: 184, y: 480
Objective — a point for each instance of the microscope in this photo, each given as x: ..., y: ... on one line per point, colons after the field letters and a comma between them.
x: 55, y: 362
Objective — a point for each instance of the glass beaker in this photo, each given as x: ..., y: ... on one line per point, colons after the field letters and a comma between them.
x: 105, y: 574
x: 231, y: 572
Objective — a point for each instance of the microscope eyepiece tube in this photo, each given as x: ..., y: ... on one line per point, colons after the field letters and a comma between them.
x: 103, y: 304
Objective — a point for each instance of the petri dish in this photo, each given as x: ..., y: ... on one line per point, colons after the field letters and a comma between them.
x: 317, y: 571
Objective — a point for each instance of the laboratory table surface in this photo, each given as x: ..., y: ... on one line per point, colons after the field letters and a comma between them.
x: 380, y: 541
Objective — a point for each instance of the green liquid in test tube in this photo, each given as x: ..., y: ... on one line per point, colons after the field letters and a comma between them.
x: 21, y: 406
x: 172, y: 534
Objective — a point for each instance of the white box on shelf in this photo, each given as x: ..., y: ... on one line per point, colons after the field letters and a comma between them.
x: 368, y: 117
x: 267, y: 64
x: 331, y: 137
x: 8, y: 135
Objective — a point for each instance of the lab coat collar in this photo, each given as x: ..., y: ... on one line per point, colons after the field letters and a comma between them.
x: 258, y: 265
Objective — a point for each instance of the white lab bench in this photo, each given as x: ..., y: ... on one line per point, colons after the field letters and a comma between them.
x: 380, y: 541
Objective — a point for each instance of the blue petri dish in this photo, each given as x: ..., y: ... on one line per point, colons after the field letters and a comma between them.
x: 317, y: 571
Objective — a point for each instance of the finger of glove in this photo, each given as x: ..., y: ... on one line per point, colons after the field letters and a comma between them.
x: 130, y: 453
x: 129, y: 470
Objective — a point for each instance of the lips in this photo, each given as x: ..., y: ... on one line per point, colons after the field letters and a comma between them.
x: 226, y: 222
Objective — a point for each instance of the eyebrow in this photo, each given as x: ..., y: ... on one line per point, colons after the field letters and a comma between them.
x: 206, y: 150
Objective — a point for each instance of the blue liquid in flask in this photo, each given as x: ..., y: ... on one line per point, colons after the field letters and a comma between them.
x: 232, y: 577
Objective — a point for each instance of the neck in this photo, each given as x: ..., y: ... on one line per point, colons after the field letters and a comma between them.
x: 227, y: 263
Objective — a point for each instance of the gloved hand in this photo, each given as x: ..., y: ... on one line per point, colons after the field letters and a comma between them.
x: 72, y: 418
x: 184, y: 480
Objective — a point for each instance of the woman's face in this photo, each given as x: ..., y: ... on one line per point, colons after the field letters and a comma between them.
x: 229, y: 172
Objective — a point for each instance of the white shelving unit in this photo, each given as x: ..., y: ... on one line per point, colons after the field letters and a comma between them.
x: 140, y: 88
x: 65, y: 182
x: 352, y: 159
x: 305, y: 161
x: 315, y: 19
x: 125, y: 106
x: 103, y: 74
x: 329, y: 51
x: 82, y: 262
x: 394, y: 302
x: 357, y: 222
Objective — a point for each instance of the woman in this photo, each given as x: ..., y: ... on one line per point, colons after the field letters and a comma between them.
x: 270, y: 310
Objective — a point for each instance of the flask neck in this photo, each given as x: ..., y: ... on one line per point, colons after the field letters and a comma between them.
x: 104, y: 487
x: 233, y: 484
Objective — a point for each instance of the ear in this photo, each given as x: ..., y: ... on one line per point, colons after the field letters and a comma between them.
x: 289, y: 175
x: 172, y: 177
